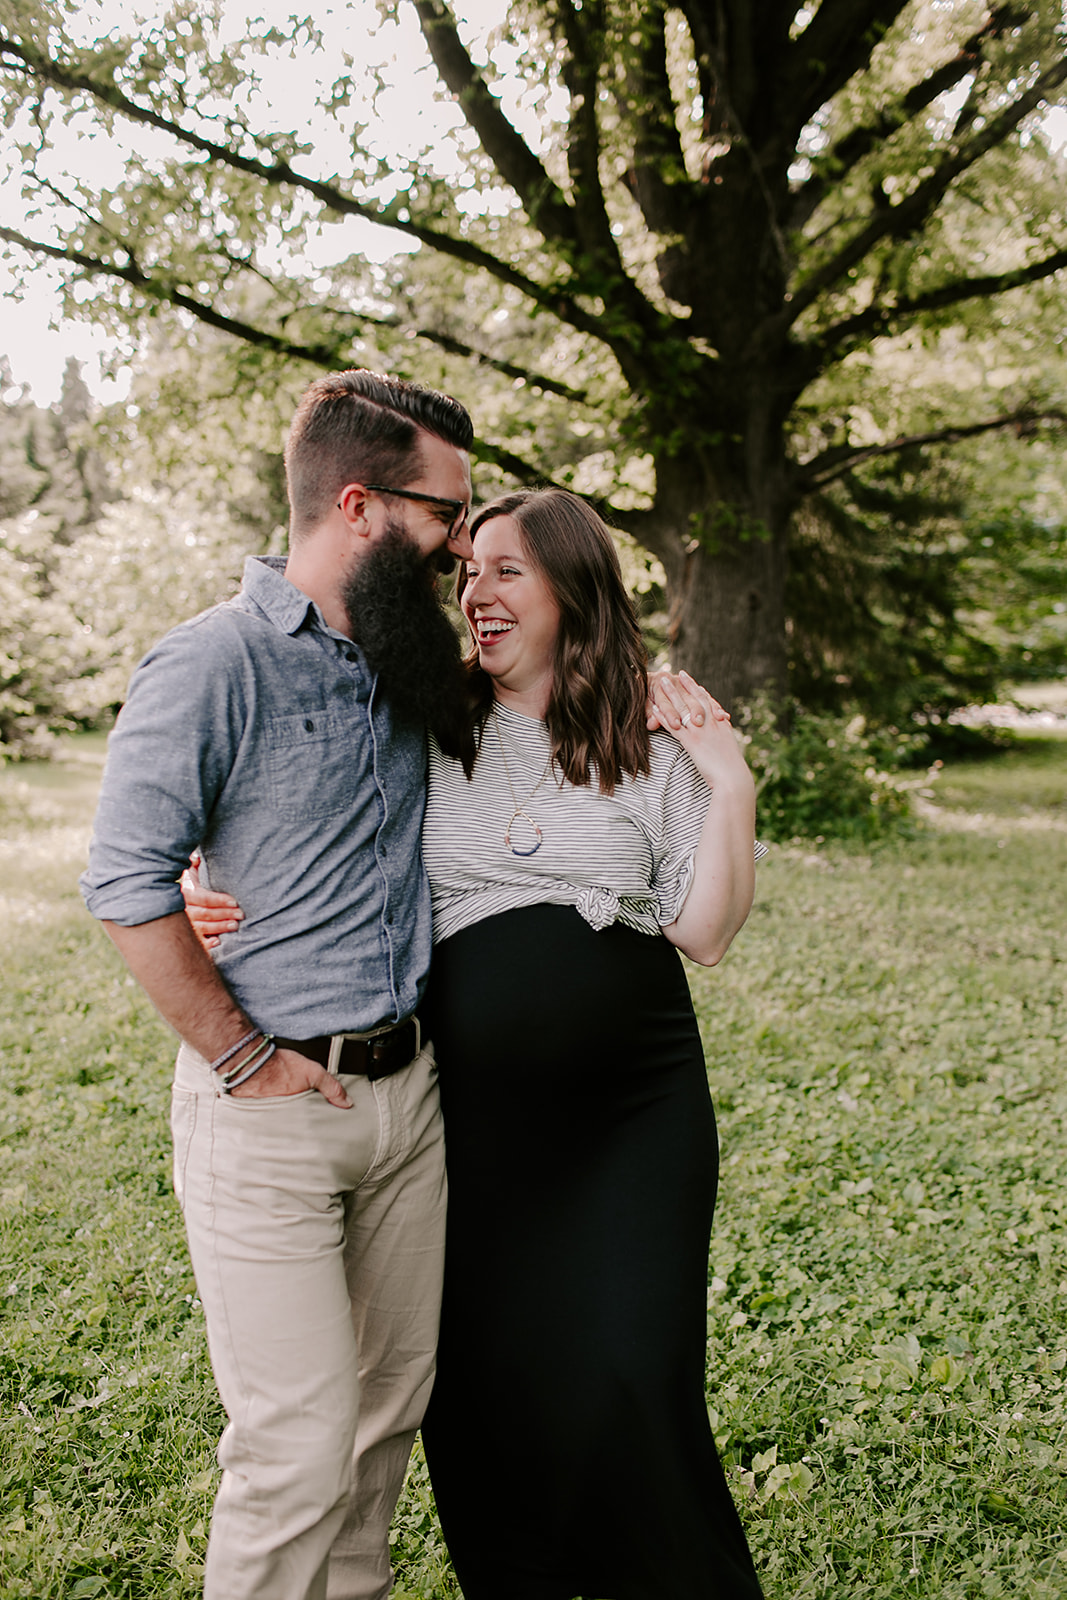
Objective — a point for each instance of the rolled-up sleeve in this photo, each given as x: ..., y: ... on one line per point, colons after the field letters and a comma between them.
x: 169, y: 758
x: 686, y: 798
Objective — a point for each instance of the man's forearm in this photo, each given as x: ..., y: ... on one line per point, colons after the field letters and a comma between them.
x: 180, y: 979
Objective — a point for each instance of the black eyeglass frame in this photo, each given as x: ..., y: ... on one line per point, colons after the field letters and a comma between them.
x: 460, y: 510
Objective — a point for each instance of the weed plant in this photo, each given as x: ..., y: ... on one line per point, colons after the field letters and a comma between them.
x: 823, y: 774
x: 888, y: 1285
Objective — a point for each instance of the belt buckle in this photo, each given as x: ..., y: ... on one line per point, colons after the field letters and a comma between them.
x: 390, y: 1035
x: 337, y: 1041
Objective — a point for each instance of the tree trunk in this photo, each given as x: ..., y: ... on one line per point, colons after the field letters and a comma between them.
x: 722, y: 518
x: 727, y: 618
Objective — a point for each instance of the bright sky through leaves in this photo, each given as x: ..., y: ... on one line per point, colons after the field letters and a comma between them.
x: 33, y: 334
x: 408, y: 119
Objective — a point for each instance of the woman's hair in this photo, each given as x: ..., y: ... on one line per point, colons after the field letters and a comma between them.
x: 596, y: 714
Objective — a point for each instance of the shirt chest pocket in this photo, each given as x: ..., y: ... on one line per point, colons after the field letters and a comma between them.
x: 316, y: 762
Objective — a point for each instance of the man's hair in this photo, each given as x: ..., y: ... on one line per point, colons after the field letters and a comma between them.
x: 360, y: 427
x: 596, y: 714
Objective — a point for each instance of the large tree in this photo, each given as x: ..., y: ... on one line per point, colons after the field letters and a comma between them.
x: 732, y: 219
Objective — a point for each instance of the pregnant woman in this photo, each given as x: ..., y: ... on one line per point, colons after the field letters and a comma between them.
x: 567, y: 1436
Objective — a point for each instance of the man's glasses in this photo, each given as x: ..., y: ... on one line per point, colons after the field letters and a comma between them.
x: 457, y: 510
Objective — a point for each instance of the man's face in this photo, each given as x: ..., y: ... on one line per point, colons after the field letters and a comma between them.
x: 390, y: 595
x: 445, y: 471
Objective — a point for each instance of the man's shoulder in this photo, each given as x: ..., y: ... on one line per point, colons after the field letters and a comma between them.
x: 229, y: 629
x: 217, y: 656
x: 266, y: 610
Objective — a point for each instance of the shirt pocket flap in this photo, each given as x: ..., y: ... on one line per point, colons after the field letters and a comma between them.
x: 316, y: 761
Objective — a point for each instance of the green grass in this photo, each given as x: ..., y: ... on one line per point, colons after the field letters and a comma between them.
x: 1026, y: 779
x: 888, y: 1285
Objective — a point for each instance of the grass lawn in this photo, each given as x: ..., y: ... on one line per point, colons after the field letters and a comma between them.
x: 887, y: 1305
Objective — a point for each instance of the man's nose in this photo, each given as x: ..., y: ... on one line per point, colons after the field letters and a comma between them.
x: 460, y: 544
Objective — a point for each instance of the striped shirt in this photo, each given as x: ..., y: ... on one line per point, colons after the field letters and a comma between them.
x: 625, y: 857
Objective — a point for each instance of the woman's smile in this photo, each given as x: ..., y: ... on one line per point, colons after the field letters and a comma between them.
x: 490, y: 628
x: 513, y: 615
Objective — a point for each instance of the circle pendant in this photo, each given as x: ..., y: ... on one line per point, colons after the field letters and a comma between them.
x: 539, y: 837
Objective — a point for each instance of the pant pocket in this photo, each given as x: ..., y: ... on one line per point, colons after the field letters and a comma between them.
x: 183, y: 1113
x: 266, y: 1102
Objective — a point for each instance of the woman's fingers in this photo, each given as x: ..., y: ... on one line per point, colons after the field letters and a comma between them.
x: 210, y: 900
x: 717, y: 711
x: 677, y: 705
x: 220, y: 919
x: 210, y: 912
x: 678, y: 702
x: 661, y: 707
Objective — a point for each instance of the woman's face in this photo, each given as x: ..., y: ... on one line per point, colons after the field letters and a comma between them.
x: 512, y: 615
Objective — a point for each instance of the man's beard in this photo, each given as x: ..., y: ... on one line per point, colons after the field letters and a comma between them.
x: 397, y: 618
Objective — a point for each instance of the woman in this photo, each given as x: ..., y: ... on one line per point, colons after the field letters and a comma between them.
x: 567, y: 1436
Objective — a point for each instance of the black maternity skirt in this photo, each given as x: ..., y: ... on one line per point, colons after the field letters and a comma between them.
x: 567, y: 1436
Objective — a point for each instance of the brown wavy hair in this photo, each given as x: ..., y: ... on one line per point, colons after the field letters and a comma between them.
x: 596, y: 714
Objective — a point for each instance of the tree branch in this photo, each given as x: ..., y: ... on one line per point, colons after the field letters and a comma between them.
x: 840, y: 459
x: 508, y: 151
x: 848, y: 151
x: 321, y: 355
x: 740, y: 57
x: 524, y: 471
x: 456, y: 347
x: 885, y: 319
x: 901, y: 221
x: 555, y: 298
x: 317, y: 355
x: 165, y: 293
x: 659, y: 180
x: 837, y: 43
x: 581, y: 76
x: 582, y: 230
x: 704, y: 24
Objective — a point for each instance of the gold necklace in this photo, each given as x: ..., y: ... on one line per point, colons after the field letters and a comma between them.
x: 520, y: 808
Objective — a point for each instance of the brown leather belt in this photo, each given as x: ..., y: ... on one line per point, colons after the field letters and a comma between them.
x: 371, y: 1055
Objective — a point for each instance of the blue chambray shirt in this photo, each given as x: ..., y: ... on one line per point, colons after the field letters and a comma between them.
x: 257, y: 733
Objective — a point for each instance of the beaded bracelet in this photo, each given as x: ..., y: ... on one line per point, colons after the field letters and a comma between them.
x: 227, y: 1055
x: 250, y: 1065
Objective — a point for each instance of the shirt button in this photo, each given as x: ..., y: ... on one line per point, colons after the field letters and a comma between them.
x: 384, y: 848
x: 309, y: 725
x: 389, y: 918
x: 350, y: 655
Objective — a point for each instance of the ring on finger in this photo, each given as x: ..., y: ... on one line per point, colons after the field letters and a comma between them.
x: 687, y: 718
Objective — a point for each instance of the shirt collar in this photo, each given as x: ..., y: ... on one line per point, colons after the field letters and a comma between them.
x: 281, y: 602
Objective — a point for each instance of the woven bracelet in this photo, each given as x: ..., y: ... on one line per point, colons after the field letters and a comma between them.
x: 250, y: 1065
x: 228, y: 1055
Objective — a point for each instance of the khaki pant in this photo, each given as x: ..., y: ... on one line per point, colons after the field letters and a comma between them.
x: 317, y: 1240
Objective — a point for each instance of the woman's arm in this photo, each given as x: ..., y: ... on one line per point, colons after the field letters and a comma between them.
x: 724, y: 874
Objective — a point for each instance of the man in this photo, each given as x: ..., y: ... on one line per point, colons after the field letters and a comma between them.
x: 283, y: 734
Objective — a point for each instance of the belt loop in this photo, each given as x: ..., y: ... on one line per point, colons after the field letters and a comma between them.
x: 336, y: 1046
